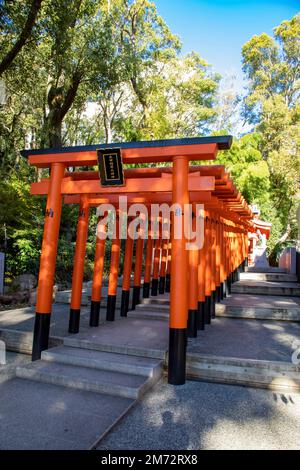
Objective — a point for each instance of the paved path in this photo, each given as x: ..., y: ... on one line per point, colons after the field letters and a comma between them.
x: 40, y: 416
x: 200, y: 415
x: 252, y: 339
x: 197, y: 415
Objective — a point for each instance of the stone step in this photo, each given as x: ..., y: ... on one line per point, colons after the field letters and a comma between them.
x: 149, y: 313
x: 88, y: 379
x: 104, y: 361
x: 21, y: 341
x: 270, y: 269
x: 106, y: 346
x: 266, y: 288
x: 257, y: 313
x: 153, y: 307
x: 274, y: 277
x: 12, y: 361
x: 262, y: 365
x: 17, y: 341
x: 64, y: 297
x: 157, y: 300
x: 279, y: 377
x: 249, y: 309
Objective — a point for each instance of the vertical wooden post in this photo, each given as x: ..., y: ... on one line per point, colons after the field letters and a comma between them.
x: 137, y: 271
x: 163, y: 267
x: 179, y: 275
x: 168, y: 274
x: 113, y: 275
x: 156, y: 261
x: 148, y: 266
x: 208, y: 273
x: 218, y: 258
x: 213, y: 267
x: 222, y: 261
x: 78, y: 266
x: 201, y: 287
x: 97, y: 277
x: 126, y: 275
x: 47, y: 262
x: 193, y: 288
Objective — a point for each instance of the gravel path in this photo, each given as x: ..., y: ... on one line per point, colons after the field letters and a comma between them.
x: 200, y: 415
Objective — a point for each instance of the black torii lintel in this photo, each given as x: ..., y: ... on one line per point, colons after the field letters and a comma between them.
x: 223, y: 142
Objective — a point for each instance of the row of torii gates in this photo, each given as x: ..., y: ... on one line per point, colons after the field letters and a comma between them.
x: 195, y: 278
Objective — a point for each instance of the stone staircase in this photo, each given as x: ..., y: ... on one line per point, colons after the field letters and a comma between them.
x: 95, y: 371
x: 268, y: 276
x: 259, y: 307
x: 271, y: 295
x: 82, y: 387
x: 112, y: 360
x: 250, y: 299
x: 154, y: 308
x: 253, y: 286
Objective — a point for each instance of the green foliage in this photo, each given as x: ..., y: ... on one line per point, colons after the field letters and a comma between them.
x: 121, y: 56
x: 272, y: 67
x: 21, y: 223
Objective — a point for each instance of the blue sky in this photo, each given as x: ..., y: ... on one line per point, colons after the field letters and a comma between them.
x: 217, y: 29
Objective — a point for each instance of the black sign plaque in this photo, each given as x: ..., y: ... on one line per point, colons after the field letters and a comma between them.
x: 110, y: 167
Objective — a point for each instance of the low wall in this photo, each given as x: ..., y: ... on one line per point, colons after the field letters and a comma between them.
x: 287, y: 260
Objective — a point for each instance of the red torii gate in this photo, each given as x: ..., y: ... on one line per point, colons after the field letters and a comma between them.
x: 181, y: 187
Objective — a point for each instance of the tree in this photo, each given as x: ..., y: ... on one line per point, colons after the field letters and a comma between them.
x: 148, y: 43
x: 227, y: 106
x: 272, y: 67
x: 13, y: 27
x: 69, y: 50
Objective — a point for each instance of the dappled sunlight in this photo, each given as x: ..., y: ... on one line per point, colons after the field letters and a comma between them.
x: 273, y: 327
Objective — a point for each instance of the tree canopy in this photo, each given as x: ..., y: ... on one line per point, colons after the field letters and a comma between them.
x: 93, y: 71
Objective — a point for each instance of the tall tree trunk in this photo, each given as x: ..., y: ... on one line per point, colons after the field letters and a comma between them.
x: 59, y: 103
x: 55, y: 134
x: 24, y: 35
x: 108, y: 131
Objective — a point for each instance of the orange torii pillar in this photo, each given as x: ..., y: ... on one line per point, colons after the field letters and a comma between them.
x: 245, y: 238
x: 222, y: 270
x: 47, y: 262
x: 98, y: 274
x: 218, y: 260
x: 230, y: 258
x: 246, y: 247
x: 168, y: 274
x: 201, y: 286
x: 163, y: 267
x: 234, y: 255
x: 148, y: 266
x: 208, y: 273
x: 228, y: 277
x: 179, y: 276
x: 137, y: 270
x: 213, y: 268
x: 78, y: 266
x: 226, y: 260
x: 156, y: 261
x: 238, y: 253
x: 126, y: 275
x: 193, y: 287
x: 113, y: 274
x: 243, y: 249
